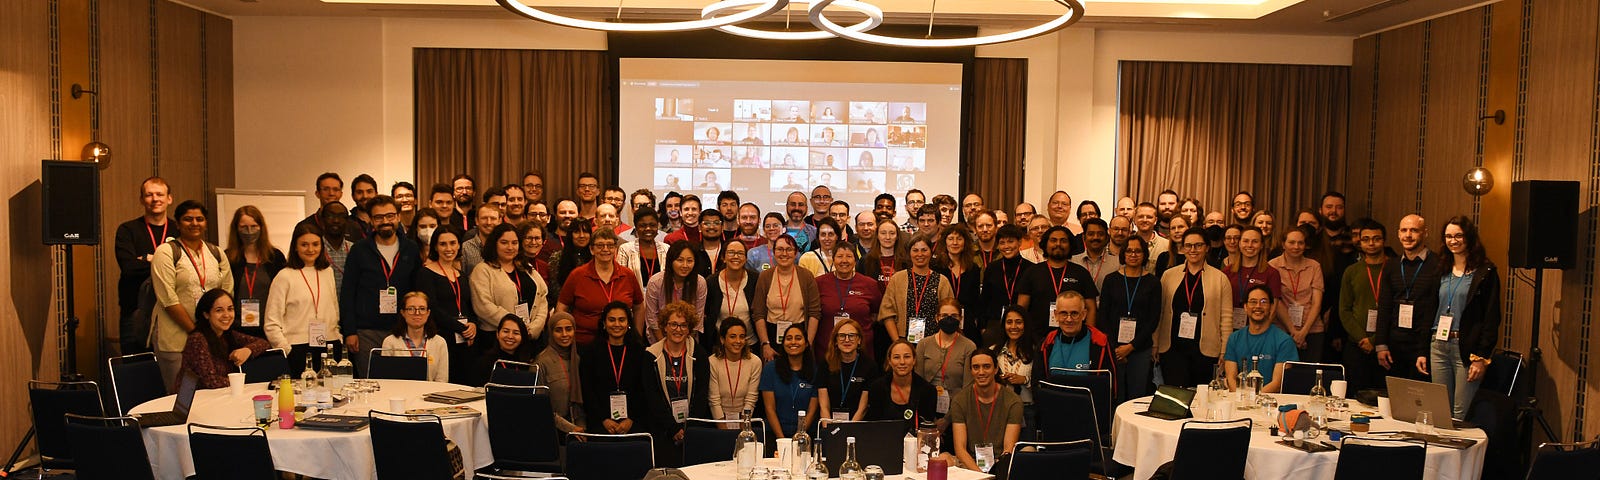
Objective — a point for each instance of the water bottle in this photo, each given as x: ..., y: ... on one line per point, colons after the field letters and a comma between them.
x: 800, y: 456
x: 1253, y: 381
x: 327, y: 369
x: 1318, y: 406
x: 850, y: 469
x: 308, y: 380
x: 344, y: 371
x: 819, y: 467
x: 745, y: 449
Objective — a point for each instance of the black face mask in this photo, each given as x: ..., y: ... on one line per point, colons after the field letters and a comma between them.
x: 948, y: 324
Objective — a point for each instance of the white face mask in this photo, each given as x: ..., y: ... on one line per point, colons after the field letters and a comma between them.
x: 426, y: 234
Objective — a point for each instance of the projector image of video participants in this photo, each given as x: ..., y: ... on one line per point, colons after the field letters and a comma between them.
x: 765, y: 128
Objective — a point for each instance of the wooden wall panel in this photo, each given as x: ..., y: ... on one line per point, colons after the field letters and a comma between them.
x: 179, y: 109
x: 27, y: 330
x: 1363, y: 72
x: 1399, y: 93
x: 125, y: 124
x: 219, y: 103
x: 1450, y: 142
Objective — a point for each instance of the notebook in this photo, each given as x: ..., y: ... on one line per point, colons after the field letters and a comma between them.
x: 1170, y: 403
x: 342, y: 423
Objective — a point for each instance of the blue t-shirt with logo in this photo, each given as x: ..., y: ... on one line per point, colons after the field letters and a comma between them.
x: 789, y: 398
x: 1274, y: 346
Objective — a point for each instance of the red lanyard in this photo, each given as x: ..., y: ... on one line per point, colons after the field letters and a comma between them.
x: 987, y: 257
x: 413, y: 346
x: 316, y: 296
x: 955, y: 281
x: 1055, y: 282
x: 154, y: 244
x: 783, y: 292
x: 250, y: 280
x: 199, y: 269
x: 455, y: 286
x: 609, y: 284
x: 515, y: 278
x: 388, y: 270
x: 616, y: 367
x: 916, y: 307
x: 1097, y: 266
x: 1294, y: 282
x: 1189, y: 291
x: 887, y: 266
x: 895, y: 389
x: 681, y: 374
x: 1375, y: 283
x: 946, y: 361
x: 732, y: 296
x: 987, y: 419
x: 1010, y: 281
x: 732, y: 387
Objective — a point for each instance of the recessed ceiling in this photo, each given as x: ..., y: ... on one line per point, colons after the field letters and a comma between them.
x: 1301, y: 17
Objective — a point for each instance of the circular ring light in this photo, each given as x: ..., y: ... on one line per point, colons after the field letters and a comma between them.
x: 1074, y: 13
x: 767, y: 7
x: 872, y: 12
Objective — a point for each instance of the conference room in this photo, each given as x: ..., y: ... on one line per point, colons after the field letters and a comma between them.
x: 752, y: 239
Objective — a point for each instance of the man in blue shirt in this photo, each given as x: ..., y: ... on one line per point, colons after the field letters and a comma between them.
x: 1074, y: 344
x: 1262, y: 339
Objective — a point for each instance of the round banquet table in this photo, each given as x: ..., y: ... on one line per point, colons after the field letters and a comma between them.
x: 1146, y: 442
x: 314, y: 453
x: 724, y: 471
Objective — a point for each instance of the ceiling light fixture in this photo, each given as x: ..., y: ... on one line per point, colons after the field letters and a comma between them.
x: 1073, y: 14
x: 765, y: 7
x: 872, y: 12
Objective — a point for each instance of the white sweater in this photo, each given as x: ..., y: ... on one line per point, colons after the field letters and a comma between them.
x: 294, y: 302
x: 494, y: 295
x: 438, y: 355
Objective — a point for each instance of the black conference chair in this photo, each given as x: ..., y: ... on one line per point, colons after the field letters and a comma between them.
x: 1214, y: 449
x: 522, y: 431
x: 266, y: 367
x: 1566, y: 461
x: 1503, y: 373
x: 1051, y: 460
x: 1066, y: 413
x: 1299, y: 376
x: 107, y: 447
x: 1363, y: 458
x: 412, y: 446
x: 706, y: 441
x: 230, y: 453
x: 135, y: 379
x: 1099, y: 383
x: 608, y: 457
x: 49, y: 402
x: 403, y: 365
x: 507, y: 372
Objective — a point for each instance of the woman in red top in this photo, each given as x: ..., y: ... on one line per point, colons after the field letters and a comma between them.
x: 594, y: 284
x: 846, y: 295
x: 213, y: 351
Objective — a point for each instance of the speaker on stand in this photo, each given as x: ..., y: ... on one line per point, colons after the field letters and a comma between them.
x: 71, y: 216
x: 1544, y: 234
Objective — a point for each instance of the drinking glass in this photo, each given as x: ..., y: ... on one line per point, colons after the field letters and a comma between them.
x: 1424, y: 422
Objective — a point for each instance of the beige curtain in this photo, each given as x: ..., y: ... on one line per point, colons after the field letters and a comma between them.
x: 997, y: 113
x: 496, y: 114
x: 1209, y: 130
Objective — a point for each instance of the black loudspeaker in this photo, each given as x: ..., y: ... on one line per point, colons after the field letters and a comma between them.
x: 1544, y: 224
x: 71, y: 203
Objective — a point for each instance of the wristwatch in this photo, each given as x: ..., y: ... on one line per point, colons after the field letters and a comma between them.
x: 1474, y: 357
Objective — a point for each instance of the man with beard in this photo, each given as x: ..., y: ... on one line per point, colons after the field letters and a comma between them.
x: 750, y: 226
x: 1144, y: 225
x: 362, y: 189
x: 330, y: 188
x: 588, y: 194
x: 1341, y: 254
x: 516, y: 204
x: 1023, y: 214
x: 465, y: 190
x: 883, y: 206
x: 136, y: 243
x: 377, y: 274
x: 971, y: 204
x: 1408, y: 302
x: 799, y: 225
x: 983, y: 229
x: 566, y: 212
x: 1038, y: 287
x: 1119, y: 229
x: 1166, y: 207
x: 1095, y: 257
x: 471, y: 255
x: 915, y: 199
x: 1244, y: 204
x: 337, y: 236
x: 728, y: 204
x: 707, y: 256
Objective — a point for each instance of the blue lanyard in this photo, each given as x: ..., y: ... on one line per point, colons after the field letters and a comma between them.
x: 1131, y: 291
x: 846, y: 381
x: 1449, y: 299
x: 844, y: 290
x: 1413, y: 279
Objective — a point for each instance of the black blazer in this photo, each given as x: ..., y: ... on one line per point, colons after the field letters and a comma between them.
x: 1480, y: 321
x: 1418, y: 288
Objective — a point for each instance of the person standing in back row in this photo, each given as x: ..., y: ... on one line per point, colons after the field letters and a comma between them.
x: 378, y: 272
x: 1195, y: 317
x: 136, y: 244
x: 180, y: 272
x: 1408, y: 300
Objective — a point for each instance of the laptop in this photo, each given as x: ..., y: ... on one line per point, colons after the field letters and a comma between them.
x: 1170, y: 402
x: 1407, y: 397
x: 877, y: 443
x: 187, y: 383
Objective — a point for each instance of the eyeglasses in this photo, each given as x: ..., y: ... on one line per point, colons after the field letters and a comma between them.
x: 1193, y: 246
x: 1455, y: 236
x: 386, y: 216
x: 416, y: 309
x: 848, y: 336
x: 677, y: 325
x: 603, y: 246
x: 1069, y: 313
x: 588, y: 186
x: 1258, y: 301
x: 822, y: 197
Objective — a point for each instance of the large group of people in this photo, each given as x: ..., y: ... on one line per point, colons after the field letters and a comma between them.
x: 714, y: 309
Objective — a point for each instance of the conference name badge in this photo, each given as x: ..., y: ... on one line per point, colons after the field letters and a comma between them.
x: 1187, y: 324
x: 1052, y: 316
x: 619, y: 405
x: 1126, y: 328
x: 1372, y: 320
x: 1406, y: 311
x: 915, y: 329
x: 388, y: 301
x: 250, y: 312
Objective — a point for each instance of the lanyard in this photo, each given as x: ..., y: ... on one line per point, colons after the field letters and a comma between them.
x: 732, y: 296
x: 1294, y: 282
x: 609, y: 284
x: 844, y: 382
x: 1239, y: 291
x: 987, y: 419
x: 1055, y: 282
x: 915, y: 415
x: 388, y: 267
x: 515, y: 278
x: 616, y: 366
x: 410, y: 345
x: 945, y: 362
x: 154, y: 243
x: 455, y: 286
x: 1095, y: 274
x: 916, y: 307
x: 1010, y: 281
x: 784, y: 293
x: 649, y: 265
x: 844, y: 291
x: 316, y: 296
x: 338, y: 268
x: 955, y: 282
x: 1449, y: 299
x: 1131, y: 291
x: 988, y: 256
x: 571, y: 392
x: 250, y: 280
x: 1375, y: 283
x: 1189, y: 292
x: 682, y: 372
x: 825, y: 267
x: 1413, y: 280
x: 199, y: 269
x: 732, y: 387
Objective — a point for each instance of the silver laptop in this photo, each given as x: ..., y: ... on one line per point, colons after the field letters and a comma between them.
x: 1407, y: 397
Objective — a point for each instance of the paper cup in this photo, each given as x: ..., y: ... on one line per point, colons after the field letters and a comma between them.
x: 1338, y: 388
x: 785, y: 448
x: 397, y: 405
x: 236, y: 384
x: 1383, y: 407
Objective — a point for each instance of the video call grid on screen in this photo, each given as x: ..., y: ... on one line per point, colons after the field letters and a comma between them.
x: 764, y: 128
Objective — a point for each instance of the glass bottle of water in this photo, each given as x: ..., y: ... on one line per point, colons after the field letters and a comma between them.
x: 850, y: 469
x: 344, y: 371
x: 800, y: 457
x: 326, y: 373
x: 819, y: 465
x: 745, y: 449
x: 308, y: 377
x: 1318, y: 406
x: 1219, y: 384
x: 1253, y: 381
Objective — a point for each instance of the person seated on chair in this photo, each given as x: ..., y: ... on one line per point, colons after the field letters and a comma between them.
x: 416, y: 336
x: 982, y: 436
x: 1261, y: 338
x: 212, y: 350
x: 511, y: 342
x: 559, y: 363
x: 1074, y: 344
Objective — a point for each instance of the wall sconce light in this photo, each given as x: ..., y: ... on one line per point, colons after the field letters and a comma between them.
x: 97, y: 153
x: 78, y: 91
x: 1499, y: 117
x: 1478, y: 181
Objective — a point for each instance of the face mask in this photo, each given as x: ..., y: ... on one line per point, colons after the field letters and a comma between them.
x: 949, y: 324
x: 249, y: 238
x: 426, y: 234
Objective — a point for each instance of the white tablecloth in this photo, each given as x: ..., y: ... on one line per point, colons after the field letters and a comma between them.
x: 724, y: 471
x: 315, y: 453
x: 1145, y: 443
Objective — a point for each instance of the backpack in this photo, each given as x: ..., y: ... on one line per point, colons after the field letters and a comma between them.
x: 144, y: 315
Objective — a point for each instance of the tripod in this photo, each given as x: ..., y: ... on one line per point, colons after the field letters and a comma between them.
x: 1529, y: 412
